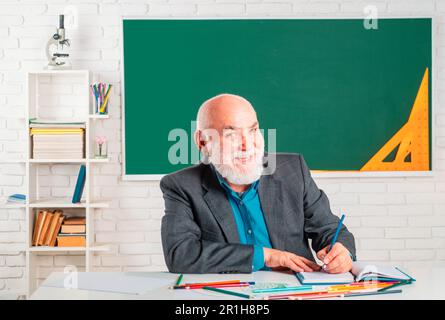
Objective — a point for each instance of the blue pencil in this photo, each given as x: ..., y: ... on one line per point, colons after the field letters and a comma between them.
x: 334, y: 240
x: 266, y: 290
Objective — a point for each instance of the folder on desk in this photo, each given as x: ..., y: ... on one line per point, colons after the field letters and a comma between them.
x: 360, y: 272
x: 114, y: 282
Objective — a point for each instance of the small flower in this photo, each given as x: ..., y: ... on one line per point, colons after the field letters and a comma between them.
x: 101, y: 140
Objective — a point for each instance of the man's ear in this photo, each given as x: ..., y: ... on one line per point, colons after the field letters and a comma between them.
x: 199, y: 141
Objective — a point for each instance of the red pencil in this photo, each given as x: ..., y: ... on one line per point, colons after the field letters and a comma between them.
x: 215, y: 285
x: 234, y: 285
x: 210, y: 283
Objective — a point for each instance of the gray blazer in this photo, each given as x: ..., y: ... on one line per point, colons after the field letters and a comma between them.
x: 199, y: 232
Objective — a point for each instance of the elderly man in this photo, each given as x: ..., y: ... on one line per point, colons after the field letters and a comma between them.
x: 224, y: 215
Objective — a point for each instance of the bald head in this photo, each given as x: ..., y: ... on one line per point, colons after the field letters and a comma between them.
x: 224, y: 110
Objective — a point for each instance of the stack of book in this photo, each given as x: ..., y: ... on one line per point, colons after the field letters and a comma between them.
x: 72, y: 233
x: 57, y: 140
x: 46, y: 227
x: 17, y: 198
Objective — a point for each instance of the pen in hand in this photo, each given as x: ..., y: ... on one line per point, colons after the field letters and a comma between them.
x: 334, y: 240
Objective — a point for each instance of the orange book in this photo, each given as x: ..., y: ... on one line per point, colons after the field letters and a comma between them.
x: 52, y: 242
x: 75, y: 220
x: 37, y: 226
x: 52, y: 227
x: 71, y: 241
x: 40, y: 227
x: 45, y: 227
x: 73, y: 228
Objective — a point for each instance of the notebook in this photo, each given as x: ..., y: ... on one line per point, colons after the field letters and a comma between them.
x: 360, y: 272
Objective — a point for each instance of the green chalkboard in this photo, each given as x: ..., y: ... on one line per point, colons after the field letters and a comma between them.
x: 333, y: 90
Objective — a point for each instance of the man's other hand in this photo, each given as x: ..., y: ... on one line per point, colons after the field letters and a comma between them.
x: 278, y: 259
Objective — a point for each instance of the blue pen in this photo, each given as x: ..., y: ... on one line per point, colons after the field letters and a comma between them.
x: 334, y: 240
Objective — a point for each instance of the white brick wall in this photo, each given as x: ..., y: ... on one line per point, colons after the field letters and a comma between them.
x: 395, y: 220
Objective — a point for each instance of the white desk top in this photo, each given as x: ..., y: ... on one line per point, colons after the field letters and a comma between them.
x: 429, y: 284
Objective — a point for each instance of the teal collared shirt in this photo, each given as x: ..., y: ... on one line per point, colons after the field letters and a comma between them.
x: 249, y: 218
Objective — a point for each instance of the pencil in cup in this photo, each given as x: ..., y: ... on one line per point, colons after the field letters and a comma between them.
x: 104, y: 107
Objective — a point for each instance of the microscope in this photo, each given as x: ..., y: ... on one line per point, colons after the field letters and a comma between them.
x: 56, y: 49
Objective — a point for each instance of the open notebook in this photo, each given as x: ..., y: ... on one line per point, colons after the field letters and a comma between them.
x: 360, y: 272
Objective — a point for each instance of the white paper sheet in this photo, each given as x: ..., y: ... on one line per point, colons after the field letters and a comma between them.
x: 117, y: 282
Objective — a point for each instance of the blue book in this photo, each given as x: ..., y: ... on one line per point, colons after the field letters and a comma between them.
x: 79, y: 184
x: 360, y: 272
x: 17, y: 198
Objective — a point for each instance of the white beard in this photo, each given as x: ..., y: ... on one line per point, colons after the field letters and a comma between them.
x: 241, y: 177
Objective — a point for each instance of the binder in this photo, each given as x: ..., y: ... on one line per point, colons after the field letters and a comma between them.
x: 79, y: 185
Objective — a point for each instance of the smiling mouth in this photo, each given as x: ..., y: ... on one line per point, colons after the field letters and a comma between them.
x: 244, y: 159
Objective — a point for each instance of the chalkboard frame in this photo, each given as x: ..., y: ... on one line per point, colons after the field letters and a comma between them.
x: 315, y: 174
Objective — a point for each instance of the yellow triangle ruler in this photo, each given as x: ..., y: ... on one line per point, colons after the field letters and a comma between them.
x: 411, y: 141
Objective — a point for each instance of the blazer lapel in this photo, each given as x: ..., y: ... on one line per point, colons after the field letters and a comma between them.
x: 219, y: 205
x: 270, y: 195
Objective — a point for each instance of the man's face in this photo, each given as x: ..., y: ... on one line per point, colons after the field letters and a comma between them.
x: 236, y: 145
x: 240, y: 147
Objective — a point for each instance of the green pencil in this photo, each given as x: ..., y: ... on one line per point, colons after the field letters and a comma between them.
x: 227, y: 292
x: 394, y: 285
x: 179, y: 279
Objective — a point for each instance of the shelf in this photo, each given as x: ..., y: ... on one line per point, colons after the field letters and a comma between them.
x: 105, y: 160
x: 91, y: 160
x: 81, y: 79
x: 99, y: 116
x: 57, y: 160
x: 66, y: 203
x: 66, y: 71
x: 64, y: 249
x: 55, y: 249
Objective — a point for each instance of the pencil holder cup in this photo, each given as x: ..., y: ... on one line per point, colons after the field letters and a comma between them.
x: 101, y: 93
x: 100, y: 148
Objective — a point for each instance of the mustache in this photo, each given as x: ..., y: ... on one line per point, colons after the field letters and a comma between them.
x: 243, y: 154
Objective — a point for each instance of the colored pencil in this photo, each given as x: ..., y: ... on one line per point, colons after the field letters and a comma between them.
x: 237, y: 294
x: 401, y: 283
x: 211, y: 283
x: 179, y: 279
x: 334, y: 239
x: 351, y: 288
x: 224, y: 285
x: 300, y: 294
x: 372, y: 293
x: 267, y: 290
x: 321, y: 295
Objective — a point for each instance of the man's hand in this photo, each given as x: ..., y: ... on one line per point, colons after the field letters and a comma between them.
x: 337, y: 260
x: 276, y: 258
